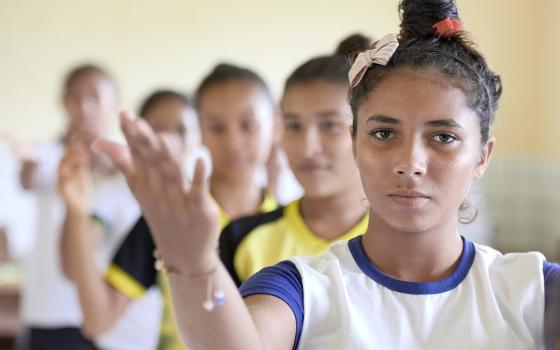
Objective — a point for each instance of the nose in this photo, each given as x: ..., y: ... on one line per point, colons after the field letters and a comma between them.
x: 312, y: 142
x: 233, y: 140
x: 411, y: 159
x: 87, y: 106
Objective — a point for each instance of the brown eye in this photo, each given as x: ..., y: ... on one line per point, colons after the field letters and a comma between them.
x: 329, y: 125
x: 383, y: 134
x: 292, y: 126
x: 249, y: 125
x: 445, y: 138
x: 216, y: 128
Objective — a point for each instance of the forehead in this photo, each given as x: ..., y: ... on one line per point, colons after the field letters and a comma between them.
x: 89, y: 82
x: 416, y: 96
x: 232, y: 98
x: 170, y: 111
x: 315, y: 96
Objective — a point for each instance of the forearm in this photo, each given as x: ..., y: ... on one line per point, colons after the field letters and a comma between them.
x: 98, y: 300
x: 227, y: 326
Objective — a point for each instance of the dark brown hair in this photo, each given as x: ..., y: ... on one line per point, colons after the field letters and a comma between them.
x: 333, y: 68
x: 455, y: 56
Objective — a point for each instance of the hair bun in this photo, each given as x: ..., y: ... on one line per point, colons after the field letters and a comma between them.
x: 352, y: 44
x: 419, y: 16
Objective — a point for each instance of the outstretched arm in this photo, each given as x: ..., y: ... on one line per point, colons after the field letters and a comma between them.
x: 101, y: 304
x: 184, y: 222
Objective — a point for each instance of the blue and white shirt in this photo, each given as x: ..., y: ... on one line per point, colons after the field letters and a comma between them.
x: 342, y: 301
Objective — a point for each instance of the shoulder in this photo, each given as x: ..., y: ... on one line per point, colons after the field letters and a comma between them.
x: 238, y: 229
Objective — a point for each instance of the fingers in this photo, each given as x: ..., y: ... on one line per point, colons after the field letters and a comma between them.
x: 118, y: 154
x: 141, y: 139
x: 199, y: 187
x: 172, y: 175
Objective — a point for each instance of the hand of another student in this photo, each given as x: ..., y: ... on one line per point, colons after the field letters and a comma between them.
x: 74, y: 179
x: 183, y: 217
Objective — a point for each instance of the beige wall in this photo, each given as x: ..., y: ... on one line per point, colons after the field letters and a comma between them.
x: 173, y: 43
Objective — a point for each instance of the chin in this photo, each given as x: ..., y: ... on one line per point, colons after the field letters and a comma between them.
x: 411, y: 223
x: 315, y: 191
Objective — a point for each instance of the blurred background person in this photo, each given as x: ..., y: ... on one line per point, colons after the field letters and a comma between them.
x: 50, y: 309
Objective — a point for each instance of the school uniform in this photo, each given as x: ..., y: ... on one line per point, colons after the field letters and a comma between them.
x: 341, y: 300
x: 116, y: 210
x: 133, y: 272
x: 249, y: 244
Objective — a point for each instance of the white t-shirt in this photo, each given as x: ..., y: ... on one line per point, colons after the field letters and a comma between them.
x: 49, y: 299
x: 342, y: 301
x: 493, y: 302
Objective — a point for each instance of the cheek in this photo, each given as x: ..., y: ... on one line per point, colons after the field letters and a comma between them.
x: 339, y: 150
x: 452, y: 176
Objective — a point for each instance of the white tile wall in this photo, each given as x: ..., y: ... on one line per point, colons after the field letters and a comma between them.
x: 523, y: 198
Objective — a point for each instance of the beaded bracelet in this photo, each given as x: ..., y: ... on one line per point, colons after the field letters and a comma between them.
x: 214, y: 296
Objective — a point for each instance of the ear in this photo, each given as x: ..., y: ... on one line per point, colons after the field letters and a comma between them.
x: 487, y: 150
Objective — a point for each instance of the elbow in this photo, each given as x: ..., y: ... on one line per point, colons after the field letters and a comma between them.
x: 67, y: 271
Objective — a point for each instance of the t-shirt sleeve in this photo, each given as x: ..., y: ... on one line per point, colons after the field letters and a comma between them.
x: 132, y: 270
x: 551, y: 273
x: 282, y: 281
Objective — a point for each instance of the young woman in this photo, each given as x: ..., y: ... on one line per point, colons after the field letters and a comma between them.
x: 317, y: 118
x: 167, y: 112
x: 422, y: 104
x: 50, y: 308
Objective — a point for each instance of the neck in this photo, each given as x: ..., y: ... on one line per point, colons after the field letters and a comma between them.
x: 237, y: 197
x: 425, y: 256
x: 331, y: 217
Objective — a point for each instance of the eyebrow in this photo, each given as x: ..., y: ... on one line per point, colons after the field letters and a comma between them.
x: 321, y: 114
x: 450, y: 123
x: 329, y: 113
x: 380, y: 118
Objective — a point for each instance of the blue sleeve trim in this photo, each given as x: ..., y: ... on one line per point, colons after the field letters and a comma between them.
x: 551, y: 273
x: 282, y: 281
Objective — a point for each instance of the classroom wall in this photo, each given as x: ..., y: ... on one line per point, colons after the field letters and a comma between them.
x: 173, y: 43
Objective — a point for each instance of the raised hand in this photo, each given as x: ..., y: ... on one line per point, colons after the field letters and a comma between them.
x: 182, y: 216
x: 74, y: 179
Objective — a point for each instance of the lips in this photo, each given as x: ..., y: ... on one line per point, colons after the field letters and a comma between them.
x: 311, y: 168
x: 409, y: 199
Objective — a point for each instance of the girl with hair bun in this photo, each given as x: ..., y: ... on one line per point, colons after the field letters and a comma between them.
x: 422, y: 105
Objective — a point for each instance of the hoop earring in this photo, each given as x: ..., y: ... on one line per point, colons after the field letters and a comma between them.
x: 467, y: 212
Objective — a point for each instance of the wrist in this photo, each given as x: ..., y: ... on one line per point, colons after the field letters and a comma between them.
x: 77, y: 211
x: 196, y: 267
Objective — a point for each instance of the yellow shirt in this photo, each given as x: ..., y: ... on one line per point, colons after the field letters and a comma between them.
x: 249, y: 244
